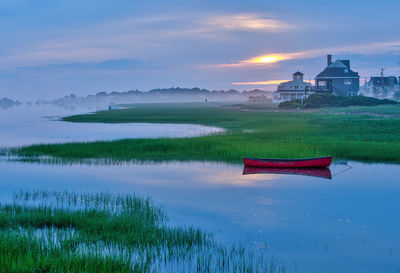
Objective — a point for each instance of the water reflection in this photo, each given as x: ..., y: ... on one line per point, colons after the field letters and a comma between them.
x: 351, y: 225
x: 316, y: 172
x: 28, y: 125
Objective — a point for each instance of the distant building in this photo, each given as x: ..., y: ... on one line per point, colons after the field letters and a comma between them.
x: 382, y: 87
x: 337, y: 78
x: 292, y: 90
x: 396, y: 94
x: 397, y: 86
x: 113, y: 106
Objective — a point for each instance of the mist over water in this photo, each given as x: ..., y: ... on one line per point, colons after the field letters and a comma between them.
x: 36, y: 124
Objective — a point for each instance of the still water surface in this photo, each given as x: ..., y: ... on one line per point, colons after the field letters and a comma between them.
x: 26, y: 125
x: 348, y: 224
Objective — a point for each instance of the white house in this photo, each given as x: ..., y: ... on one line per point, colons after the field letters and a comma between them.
x: 292, y: 90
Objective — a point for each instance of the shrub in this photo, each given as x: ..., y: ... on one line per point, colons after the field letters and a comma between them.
x: 291, y: 104
x: 329, y: 100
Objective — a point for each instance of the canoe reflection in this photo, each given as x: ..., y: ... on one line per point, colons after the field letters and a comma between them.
x: 316, y: 172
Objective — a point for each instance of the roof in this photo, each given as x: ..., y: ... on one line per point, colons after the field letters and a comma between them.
x: 387, y: 81
x: 298, y: 73
x: 338, y: 69
x: 338, y: 64
x: 346, y: 63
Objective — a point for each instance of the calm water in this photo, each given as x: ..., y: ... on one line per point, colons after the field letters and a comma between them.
x: 348, y: 224
x: 25, y: 125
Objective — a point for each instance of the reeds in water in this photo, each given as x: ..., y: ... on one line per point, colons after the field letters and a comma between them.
x: 44, y: 231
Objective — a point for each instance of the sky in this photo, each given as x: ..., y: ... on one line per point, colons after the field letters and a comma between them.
x: 52, y: 48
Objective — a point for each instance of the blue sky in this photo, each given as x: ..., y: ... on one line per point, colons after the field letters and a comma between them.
x: 50, y: 48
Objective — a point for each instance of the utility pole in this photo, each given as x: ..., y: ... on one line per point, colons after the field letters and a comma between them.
x: 382, y: 83
x: 366, y: 88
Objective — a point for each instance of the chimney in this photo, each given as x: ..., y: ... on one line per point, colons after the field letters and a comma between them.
x: 329, y: 59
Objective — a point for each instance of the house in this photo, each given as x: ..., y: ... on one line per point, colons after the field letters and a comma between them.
x: 397, y: 86
x: 382, y: 87
x: 292, y: 90
x: 396, y: 94
x: 113, y: 106
x: 338, y: 78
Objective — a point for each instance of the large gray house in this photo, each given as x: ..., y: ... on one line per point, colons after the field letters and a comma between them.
x: 337, y: 78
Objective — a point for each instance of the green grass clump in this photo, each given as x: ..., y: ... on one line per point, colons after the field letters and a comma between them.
x: 330, y: 100
x: 67, y: 232
x: 249, y: 133
x: 379, y: 110
x: 26, y: 251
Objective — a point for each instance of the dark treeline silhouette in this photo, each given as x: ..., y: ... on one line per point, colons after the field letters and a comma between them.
x: 6, y: 103
x: 175, y: 94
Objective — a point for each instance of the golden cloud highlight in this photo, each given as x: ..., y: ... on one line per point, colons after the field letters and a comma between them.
x: 259, y: 83
x: 277, y: 57
x: 273, y: 58
x: 266, y: 82
x: 265, y: 59
x: 247, y: 22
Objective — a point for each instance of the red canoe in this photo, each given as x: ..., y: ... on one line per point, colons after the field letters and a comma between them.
x: 318, y: 162
x: 316, y: 172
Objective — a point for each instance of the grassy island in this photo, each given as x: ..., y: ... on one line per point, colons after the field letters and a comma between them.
x: 356, y: 134
x: 80, y: 232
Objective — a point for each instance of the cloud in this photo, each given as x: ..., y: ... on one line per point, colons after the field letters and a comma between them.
x: 271, y: 82
x: 139, y: 36
x: 246, y: 22
x: 198, y: 23
x: 259, y: 83
x: 113, y: 64
x: 366, y: 49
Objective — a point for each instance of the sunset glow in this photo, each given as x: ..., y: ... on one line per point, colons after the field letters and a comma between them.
x: 248, y: 22
x: 258, y: 83
x: 266, y: 59
x: 267, y: 82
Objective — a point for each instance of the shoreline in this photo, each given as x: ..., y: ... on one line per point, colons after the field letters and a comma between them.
x: 253, y: 133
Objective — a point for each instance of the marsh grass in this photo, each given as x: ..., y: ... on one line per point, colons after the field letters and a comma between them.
x: 68, y: 232
x: 249, y: 133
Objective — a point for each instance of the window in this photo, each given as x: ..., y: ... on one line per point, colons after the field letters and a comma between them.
x: 321, y: 83
x: 346, y: 71
x: 347, y: 82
